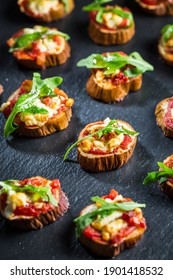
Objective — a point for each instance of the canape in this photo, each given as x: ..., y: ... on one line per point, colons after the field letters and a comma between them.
x: 39, y: 47
x: 157, y: 7
x: 164, y: 118
x: 114, y: 75
x: 37, y: 108
x: 105, y: 145
x: 46, y: 10
x: 32, y: 203
x: 110, y: 225
x: 110, y: 25
x: 1, y: 89
x: 166, y: 44
x: 164, y: 176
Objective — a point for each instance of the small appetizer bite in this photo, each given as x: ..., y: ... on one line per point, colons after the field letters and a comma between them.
x: 166, y: 44
x: 105, y: 145
x: 46, y: 10
x: 164, y: 118
x: 39, y: 47
x: 114, y: 75
x: 109, y: 25
x: 157, y: 7
x: 37, y: 108
x: 164, y: 176
x: 110, y: 225
x: 1, y: 89
x: 32, y: 203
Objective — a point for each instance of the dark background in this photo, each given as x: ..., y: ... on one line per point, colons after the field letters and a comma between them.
x: 21, y: 157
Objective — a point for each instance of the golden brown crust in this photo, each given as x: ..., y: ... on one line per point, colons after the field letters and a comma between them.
x: 160, y: 115
x: 100, y: 163
x: 168, y: 57
x: 44, y: 218
x: 51, y: 59
x: 106, y: 250
x: 159, y: 10
x: 117, y: 93
x: 107, y: 37
x: 53, y: 15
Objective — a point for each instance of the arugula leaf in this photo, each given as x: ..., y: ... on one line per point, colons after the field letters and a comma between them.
x: 66, y: 4
x: 103, y: 131
x: 118, y: 11
x: 44, y: 192
x: 111, y: 62
x: 95, y: 6
x: 26, y: 39
x: 161, y: 175
x: 25, y: 103
x: 167, y: 32
x: 105, y: 209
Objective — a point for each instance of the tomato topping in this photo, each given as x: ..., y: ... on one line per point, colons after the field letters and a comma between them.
x: 91, y: 233
x: 119, y: 78
x: 55, y: 184
x: 122, y: 234
x: 30, y: 210
x: 3, y: 200
x: 35, y: 181
x: 168, y: 116
x: 152, y: 2
x: 97, y: 151
x: 126, y: 141
x: 47, y: 100
x: 123, y: 23
x: 113, y: 193
x: 57, y: 39
x: 133, y: 220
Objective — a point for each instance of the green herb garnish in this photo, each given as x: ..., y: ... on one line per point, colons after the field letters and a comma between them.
x: 25, y: 103
x: 105, y: 209
x: 96, y: 5
x: 111, y: 62
x: 161, y: 175
x: 110, y: 127
x: 26, y: 39
x: 44, y: 192
x: 167, y: 32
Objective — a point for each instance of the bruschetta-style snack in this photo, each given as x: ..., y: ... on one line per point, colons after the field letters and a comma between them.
x: 157, y: 7
x: 164, y: 118
x: 114, y: 75
x: 46, y: 10
x: 37, y: 108
x: 111, y: 224
x: 164, y: 176
x: 39, y: 47
x: 109, y: 25
x: 105, y: 145
x: 166, y: 44
x: 32, y: 203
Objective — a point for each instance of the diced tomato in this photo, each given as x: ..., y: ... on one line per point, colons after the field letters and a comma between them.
x: 26, y: 211
x: 47, y: 100
x: 123, y: 23
x: 57, y: 39
x: 92, y: 15
x: 119, y: 78
x: 133, y: 220
x: 55, y: 184
x: 122, y: 234
x: 91, y: 233
x: 126, y: 141
x: 35, y: 181
x: 98, y: 151
x: 113, y: 193
x: 151, y: 2
x: 168, y: 116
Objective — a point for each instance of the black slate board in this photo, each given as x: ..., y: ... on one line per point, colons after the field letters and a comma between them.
x: 21, y: 157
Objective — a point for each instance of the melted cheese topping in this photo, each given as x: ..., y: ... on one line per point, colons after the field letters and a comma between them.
x: 105, y: 81
x: 114, y: 21
x: 106, y: 145
x: 41, y: 6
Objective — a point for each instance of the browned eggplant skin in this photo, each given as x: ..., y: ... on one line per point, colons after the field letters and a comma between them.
x: 159, y: 10
x: 115, y: 94
x: 106, y: 37
x: 160, y: 115
x: 167, y: 187
x: 44, y: 218
x: 53, y: 15
x: 101, y: 163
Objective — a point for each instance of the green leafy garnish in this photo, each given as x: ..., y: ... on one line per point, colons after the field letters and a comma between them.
x: 167, y: 32
x: 96, y: 5
x: 25, y: 103
x: 44, y: 192
x: 26, y: 39
x: 105, y: 209
x: 66, y: 2
x: 111, y: 62
x: 161, y: 175
x: 110, y: 127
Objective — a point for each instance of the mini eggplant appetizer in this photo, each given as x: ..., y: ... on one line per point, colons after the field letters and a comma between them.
x: 166, y: 44
x: 157, y: 7
x: 110, y: 25
x: 32, y: 203
x: 39, y: 47
x: 46, y: 10
x: 114, y: 75
x: 164, y: 176
x: 105, y: 145
x: 164, y: 116
x: 37, y: 108
x: 110, y: 225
